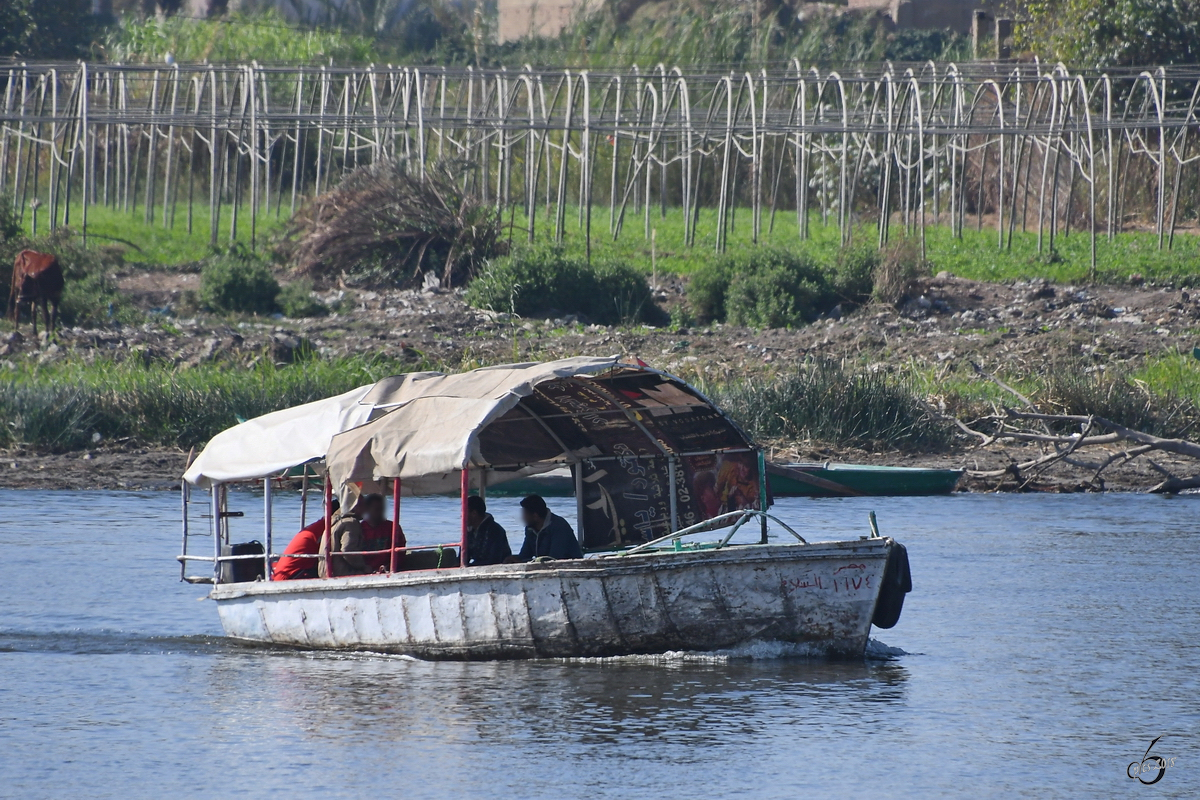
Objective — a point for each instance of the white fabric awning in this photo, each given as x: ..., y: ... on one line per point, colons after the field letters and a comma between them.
x: 283, y: 439
x: 433, y: 430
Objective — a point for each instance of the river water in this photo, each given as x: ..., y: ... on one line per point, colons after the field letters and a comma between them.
x: 1048, y: 640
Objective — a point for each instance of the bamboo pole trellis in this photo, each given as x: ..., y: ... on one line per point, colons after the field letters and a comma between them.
x: 914, y: 145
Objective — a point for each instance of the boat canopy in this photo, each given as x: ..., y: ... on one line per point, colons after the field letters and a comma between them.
x: 648, y: 452
x: 279, y: 440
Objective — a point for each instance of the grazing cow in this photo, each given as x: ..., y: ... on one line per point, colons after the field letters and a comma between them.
x: 36, y: 278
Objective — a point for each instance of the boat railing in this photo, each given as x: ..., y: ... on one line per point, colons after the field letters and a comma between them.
x: 736, y: 519
x: 399, y: 552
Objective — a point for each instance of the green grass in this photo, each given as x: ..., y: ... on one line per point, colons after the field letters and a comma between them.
x: 975, y: 256
x: 156, y: 244
x: 63, y: 406
x: 1173, y: 375
x: 265, y: 36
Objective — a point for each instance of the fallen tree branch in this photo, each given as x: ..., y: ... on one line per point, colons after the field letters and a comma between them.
x: 1178, y: 446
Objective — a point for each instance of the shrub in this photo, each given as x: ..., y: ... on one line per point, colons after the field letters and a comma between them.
x: 536, y: 281
x: 94, y: 299
x: 764, y: 287
x: 10, y: 223
x: 237, y: 280
x: 264, y: 35
x: 1070, y: 389
x: 900, y: 265
x: 826, y: 403
x: 296, y: 300
x: 854, y: 273
x: 383, y: 225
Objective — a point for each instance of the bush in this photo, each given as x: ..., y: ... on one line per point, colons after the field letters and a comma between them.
x: 296, y: 300
x: 383, y: 225
x: 854, y: 273
x: 538, y: 281
x: 264, y: 35
x: 764, y: 287
x: 238, y: 281
x: 10, y: 223
x: 1070, y: 389
x: 901, y: 264
x: 826, y: 403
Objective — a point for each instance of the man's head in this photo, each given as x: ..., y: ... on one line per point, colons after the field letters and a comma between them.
x: 476, y: 510
x: 372, y: 508
x: 534, y: 511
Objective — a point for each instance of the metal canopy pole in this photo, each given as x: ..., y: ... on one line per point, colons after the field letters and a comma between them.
x: 267, y: 527
x: 215, y: 491
x: 327, y: 539
x: 304, y: 497
x: 466, y: 486
x: 395, y: 521
x: 184, y: 495
x: 672, y: 476
x: 762, y: 493
x: 577, y: 467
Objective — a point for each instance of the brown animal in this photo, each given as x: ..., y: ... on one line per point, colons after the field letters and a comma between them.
x: 36, y: 278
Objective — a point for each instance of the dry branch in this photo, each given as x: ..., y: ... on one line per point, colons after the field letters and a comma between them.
x: 391, y: 226
x: 1066, y: 447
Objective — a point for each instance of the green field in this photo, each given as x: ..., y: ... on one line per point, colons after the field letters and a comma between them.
x: 159, y: 245
x: 976, y: 255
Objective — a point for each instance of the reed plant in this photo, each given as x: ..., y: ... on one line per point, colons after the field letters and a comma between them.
x: 826, y: 402
x: 74, y: 405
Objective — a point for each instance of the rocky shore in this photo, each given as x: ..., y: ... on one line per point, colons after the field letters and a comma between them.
x: 947, y: 324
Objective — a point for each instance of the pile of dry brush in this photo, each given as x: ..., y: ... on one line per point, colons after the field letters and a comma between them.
x: 385, y: 225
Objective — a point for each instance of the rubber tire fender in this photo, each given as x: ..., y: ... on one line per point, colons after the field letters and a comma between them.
x: 897, y: 582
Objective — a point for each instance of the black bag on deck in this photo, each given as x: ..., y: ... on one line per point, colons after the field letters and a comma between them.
x: 243, y: 570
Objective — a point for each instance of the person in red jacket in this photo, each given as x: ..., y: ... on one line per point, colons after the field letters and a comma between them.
x: 306, y: 542
x: 377, y: 535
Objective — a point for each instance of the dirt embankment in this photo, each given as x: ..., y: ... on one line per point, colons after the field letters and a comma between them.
x: 948, y: 323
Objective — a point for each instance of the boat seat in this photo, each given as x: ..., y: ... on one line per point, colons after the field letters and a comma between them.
x: 429, y: 559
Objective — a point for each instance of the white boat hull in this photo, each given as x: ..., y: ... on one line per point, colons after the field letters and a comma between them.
x: 824, y: 594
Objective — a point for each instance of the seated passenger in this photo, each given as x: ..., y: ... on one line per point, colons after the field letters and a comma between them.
x: 377, y: 535
x: 546, y: 534
x: 306, y: 542
x: 347, y: 539
x: 487, y: 542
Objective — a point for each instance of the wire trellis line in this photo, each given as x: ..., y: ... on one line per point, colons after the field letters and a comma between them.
x: 915, y: 145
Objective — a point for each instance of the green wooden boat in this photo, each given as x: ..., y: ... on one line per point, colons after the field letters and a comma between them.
x: 859, y: 480
x: 790, y: 480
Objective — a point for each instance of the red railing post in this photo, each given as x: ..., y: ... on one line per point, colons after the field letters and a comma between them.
x: 466, y: 487
x: 328, y: 538
x: 395, y: 519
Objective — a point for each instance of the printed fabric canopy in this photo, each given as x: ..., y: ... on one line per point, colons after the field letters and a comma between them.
x: 649, y: 452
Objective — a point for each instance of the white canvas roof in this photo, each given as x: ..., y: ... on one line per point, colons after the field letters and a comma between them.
x: 273, y: 442
x: 433, y: 430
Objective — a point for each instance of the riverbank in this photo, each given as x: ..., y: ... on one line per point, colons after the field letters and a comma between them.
x: 158, y: 469
x: 1030, y: 333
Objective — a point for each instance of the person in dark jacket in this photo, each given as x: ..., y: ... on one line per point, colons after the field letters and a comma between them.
x: 487, y: 542
x: 546, y: 534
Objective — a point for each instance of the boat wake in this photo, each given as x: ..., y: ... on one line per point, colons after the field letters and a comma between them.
x: 751, y: 651
x: 106, y: 642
